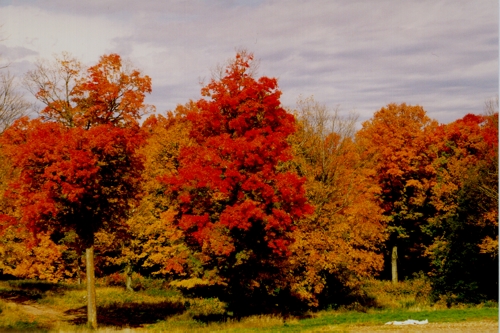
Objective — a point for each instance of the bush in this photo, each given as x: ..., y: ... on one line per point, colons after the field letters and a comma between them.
x: 405, y: 294
x: 140, y: 282
x: 205, y: 307
x: 116, y: 279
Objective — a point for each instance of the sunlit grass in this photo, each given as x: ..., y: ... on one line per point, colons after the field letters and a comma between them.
x: 185, y: 323
x: 408, y: 294
x: 116, y: 295
x: 12, y: 317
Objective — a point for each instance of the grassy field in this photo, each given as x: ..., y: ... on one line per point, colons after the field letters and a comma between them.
x: 43, y: 307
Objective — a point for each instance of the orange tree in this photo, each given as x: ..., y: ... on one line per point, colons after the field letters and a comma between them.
x: 235, y: 207
x: 464, y: 250
x: 156, y: 246
x: 396, y: 141
x: 43, y: 260
x: 340, y: 242
x: 78, y: 163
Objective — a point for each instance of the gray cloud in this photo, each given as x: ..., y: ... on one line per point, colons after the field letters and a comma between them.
x: 15, y: 53
x: 360, y: 55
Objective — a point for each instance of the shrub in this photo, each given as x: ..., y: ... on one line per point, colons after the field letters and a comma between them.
x: 205, y: 307
x: 405, y: 294
x: 115, y: 279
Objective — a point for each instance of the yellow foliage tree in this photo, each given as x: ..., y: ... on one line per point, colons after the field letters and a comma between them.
x: 396, y: 139
x: 339, y: 243
x: 154, y: 244
x: 24, y: 257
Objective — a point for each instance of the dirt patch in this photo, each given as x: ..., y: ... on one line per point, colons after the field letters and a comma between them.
x: 24, y: 301
x: 45, y: 311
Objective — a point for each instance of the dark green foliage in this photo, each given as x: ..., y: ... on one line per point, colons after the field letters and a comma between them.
x: 463, y: 274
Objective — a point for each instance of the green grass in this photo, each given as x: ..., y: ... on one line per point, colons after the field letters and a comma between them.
x: 381, y: 317
x: 328, y: 319
x: 166, y: 310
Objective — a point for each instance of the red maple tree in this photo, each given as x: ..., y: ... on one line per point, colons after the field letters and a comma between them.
x: 235, y: 206
x: 78, y: 164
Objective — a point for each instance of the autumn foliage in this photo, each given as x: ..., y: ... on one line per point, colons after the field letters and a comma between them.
x: 236, y: 207
x: 395, y: 141
x: 234, y: 197
x: 79, y: 167
x: 156, y: 245
x: 464, y: 250
x: 68, y: 179
x: 340, y: 242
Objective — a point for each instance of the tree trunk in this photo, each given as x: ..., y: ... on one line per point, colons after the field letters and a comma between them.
x: 79, y: 274
x: 394, y: 264
x: 80, y: 260
x: 91, y: 305
x: 128, y: 282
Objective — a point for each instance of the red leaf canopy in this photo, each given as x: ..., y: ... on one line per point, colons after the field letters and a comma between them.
x: 79, y: 166
x: 71, y: 177
x: 229, y: 185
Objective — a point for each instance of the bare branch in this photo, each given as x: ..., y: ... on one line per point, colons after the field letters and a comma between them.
x: 52, y: 83
x: 219, y: 70
x: 12, y: 103
x: 491, y: 106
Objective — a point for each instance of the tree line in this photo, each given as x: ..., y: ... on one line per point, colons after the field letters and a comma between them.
x: 236, y: 197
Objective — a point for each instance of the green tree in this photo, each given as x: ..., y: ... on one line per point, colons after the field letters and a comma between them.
x: 464, y: 250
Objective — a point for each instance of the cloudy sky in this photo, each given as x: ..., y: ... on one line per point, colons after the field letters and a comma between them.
x: 358, y: 55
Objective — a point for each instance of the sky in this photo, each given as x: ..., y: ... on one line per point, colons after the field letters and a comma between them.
x: 351, y: 55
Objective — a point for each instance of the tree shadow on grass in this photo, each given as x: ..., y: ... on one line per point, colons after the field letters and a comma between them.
x: 41, y: 286
x: 130, y: 314
x: 22, y: 291
x: 20, y: 296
